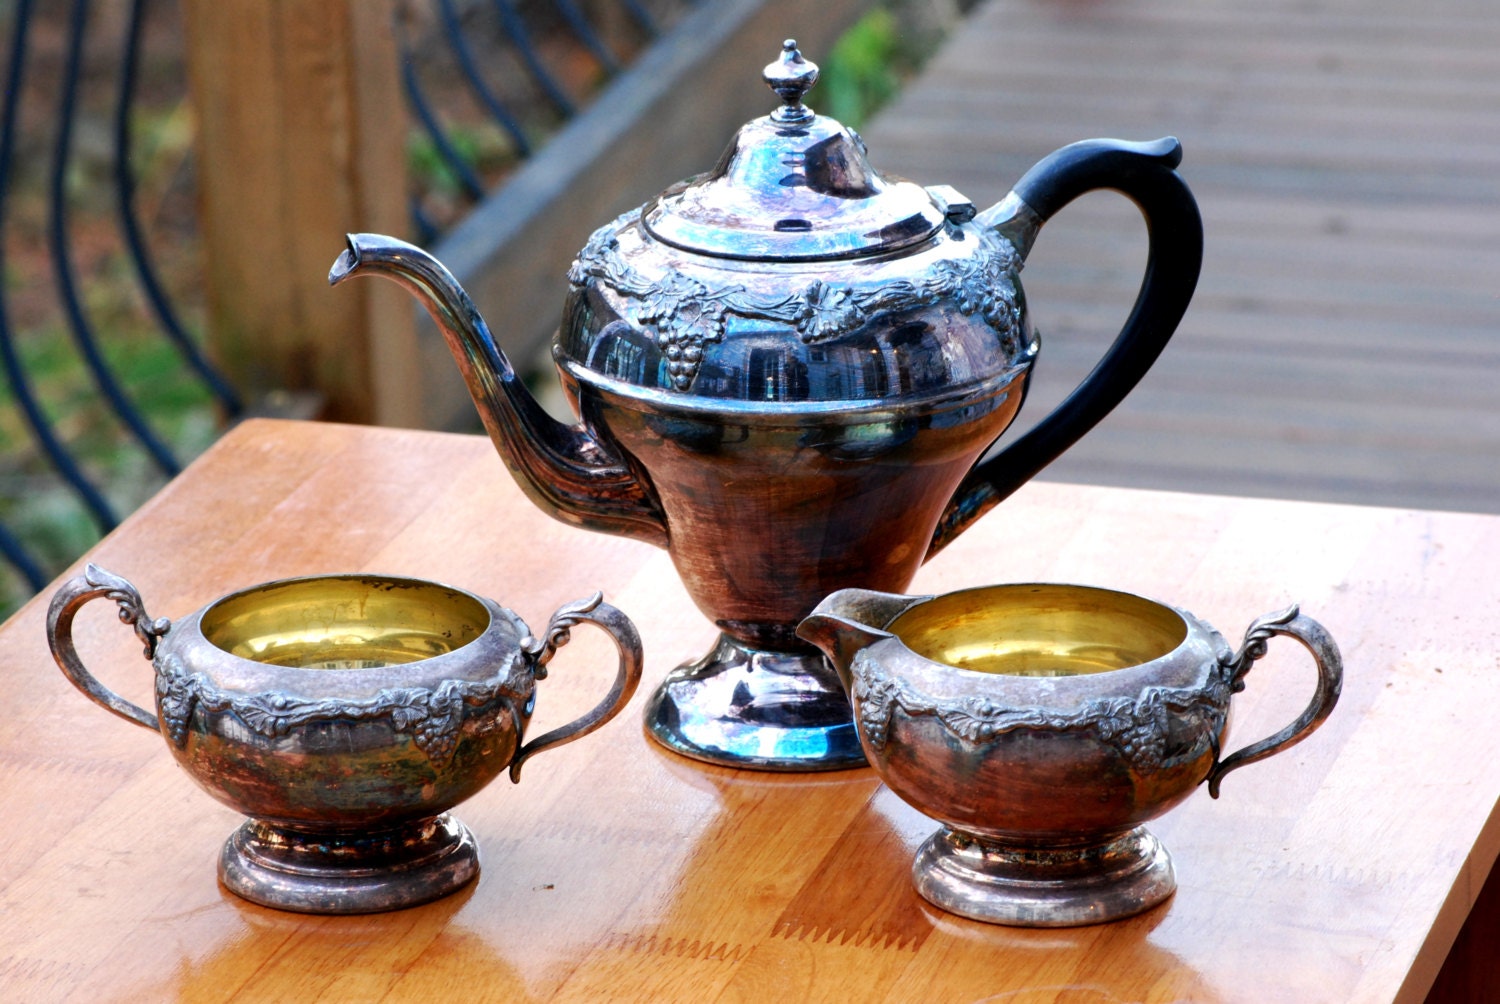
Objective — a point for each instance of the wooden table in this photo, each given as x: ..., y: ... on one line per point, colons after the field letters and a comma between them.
x: 1340, y: 871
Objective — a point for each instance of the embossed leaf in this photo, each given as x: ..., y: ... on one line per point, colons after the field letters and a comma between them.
x: 260, y: 718
x: 447, y: 701
x: 827, y: 311
x: 405, y: 717
x: 964, y: 725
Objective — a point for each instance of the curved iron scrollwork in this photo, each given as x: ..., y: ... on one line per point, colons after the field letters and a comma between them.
x: 106, y: 74
x: 28, y: 27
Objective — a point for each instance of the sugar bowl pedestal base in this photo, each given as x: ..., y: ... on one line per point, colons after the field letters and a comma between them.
x: 315, y: 870
x: 744, y: 707
x: 1044, y: 886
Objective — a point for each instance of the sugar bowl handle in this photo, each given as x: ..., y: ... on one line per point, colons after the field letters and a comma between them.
x: 615, y: 624
x: 91, y: 585
x: 1325, y: 653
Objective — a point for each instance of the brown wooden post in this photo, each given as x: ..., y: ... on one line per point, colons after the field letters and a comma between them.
x: 300, y: 139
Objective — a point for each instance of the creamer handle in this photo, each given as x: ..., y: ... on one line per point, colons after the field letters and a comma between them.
x: 1315, y: 638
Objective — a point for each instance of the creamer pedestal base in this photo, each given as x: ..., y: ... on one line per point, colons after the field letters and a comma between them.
x: 1043, y: 886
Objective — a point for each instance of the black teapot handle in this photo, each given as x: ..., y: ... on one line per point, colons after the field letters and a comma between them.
x: 1145, y: 172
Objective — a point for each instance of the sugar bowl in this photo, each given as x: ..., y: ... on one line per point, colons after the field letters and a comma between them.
x: 345, y: 715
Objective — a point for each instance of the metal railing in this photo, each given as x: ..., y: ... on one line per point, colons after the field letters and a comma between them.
x: 441, y: 35
x: 41, y: 425
x: 538, y: 94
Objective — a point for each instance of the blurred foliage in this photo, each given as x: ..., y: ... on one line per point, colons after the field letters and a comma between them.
x: 864, y: 70
x: 35, y: 503
x: 879, y: 53
x: 483, y: 147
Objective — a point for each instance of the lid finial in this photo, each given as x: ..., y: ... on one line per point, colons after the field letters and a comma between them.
x: 791, y: 77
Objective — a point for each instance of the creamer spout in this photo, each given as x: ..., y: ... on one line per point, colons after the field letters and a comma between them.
x: 849, y: 620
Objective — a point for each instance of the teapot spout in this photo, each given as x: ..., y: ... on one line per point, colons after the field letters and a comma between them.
x: 564, y: 469
x: 849, y: 620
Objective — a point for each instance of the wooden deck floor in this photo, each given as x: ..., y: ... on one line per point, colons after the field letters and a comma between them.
x: 1344, y: 343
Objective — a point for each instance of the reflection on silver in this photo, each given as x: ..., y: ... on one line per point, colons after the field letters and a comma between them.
x: 787, y: 370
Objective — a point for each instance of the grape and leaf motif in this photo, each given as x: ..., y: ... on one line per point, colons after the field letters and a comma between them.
x: 684, y: 314
x: 433, y: 716
x: 1139, y: 727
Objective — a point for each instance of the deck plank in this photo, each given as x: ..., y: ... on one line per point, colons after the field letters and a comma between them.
x: 1344, y: 343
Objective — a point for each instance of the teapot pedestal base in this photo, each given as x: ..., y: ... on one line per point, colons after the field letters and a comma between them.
x: 744, y: 707
x: 342, y: 872
x: 1044, y: 886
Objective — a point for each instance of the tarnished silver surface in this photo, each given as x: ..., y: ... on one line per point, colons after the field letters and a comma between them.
x: 363, y: 871
x: 1141, y: 727
x: 345, y: 715
x: 1060, y: 886
x: 1043, y: 725
x: 787, y: 370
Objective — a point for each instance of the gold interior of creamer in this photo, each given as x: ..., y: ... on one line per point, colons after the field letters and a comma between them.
x: 1040, y: 630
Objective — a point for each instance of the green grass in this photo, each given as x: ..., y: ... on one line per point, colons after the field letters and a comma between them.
x: 36, y: 504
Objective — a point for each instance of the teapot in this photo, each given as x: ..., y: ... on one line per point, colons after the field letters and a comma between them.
x: 787, y: 371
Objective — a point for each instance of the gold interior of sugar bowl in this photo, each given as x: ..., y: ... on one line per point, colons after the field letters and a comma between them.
x: 1040, y: 630
x: 344, y: 622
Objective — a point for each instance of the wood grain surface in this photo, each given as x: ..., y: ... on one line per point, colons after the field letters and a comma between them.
x: 1342, y: 870
x: 1346, y: 157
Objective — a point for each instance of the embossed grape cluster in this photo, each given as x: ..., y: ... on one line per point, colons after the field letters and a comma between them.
x: 684, y: 353
x: 436, y: 737
x: 436, y: 734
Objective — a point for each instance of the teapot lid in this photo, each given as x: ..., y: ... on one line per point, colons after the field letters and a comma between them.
x: 793, y: 186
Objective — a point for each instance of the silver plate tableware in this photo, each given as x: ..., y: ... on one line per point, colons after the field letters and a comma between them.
x: 1043, y: 725
x: 345, y: 715
x: 786, y: 372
